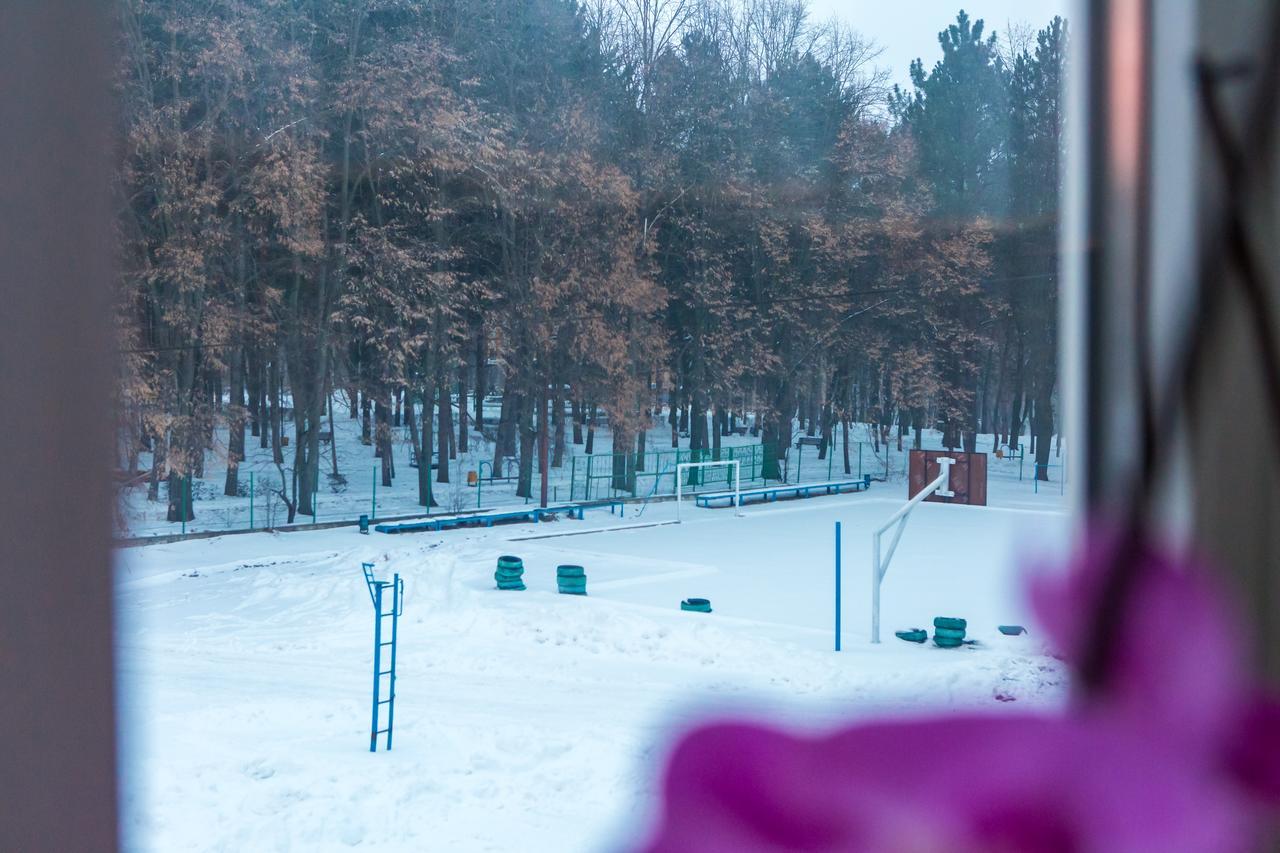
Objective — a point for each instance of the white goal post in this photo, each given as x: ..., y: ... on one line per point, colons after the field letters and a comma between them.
x: 941, y: 485
x: 737, y: 480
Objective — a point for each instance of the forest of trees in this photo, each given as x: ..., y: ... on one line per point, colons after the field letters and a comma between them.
x: 719, y: 203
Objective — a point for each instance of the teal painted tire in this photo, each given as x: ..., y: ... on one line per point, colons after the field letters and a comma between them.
x: 948, y: 633
x: 520, y: 587
x: 573, y: 592
x: 951, y: 622
x: 915, y: 635
x: 696, y: 605
x: 572, y: 587
x: 1012, y: 630
x: 570, y: 572
x: 509, y: 562
x: 947, y: 642
x: 511, y: 574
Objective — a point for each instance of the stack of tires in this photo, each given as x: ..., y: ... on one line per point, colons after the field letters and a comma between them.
x: 510, y: 573
x: 948, y: 631
x: 572, y: 580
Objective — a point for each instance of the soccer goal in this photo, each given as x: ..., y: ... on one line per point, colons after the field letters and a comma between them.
x: 941, y: 485
x: 737, y: 481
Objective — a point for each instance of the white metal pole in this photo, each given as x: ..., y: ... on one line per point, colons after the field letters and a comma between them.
x: 737, y: 487
x: 875, y: 587
x: 679, y: 481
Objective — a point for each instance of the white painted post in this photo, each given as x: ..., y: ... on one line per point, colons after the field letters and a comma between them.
x: 879, y: 568
x: 737, y: 481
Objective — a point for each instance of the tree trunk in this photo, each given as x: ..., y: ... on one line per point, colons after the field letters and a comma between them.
x: 158, y: 452
x: 382, y: 437
x: 444, y: 429
x: 528, y: 435
x: 623, y: 465
x: 276, y: 417
x: 463, y: 415
x: 482, y: 377
x: 421, y: 445
x: 235, y: 424
x: 544, y: 428
x: 557, y: 421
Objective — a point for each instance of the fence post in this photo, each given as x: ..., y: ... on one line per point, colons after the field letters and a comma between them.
x: 250, y: 500
x: 374, y: 511
x: 859, y: 460
x: 184, y: 500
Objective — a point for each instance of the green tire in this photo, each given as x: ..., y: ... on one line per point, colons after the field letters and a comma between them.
x: 948, y: 633
x: 570, y: 572
x: 951, y: 622
x: 510, y: 563
x: 510, y: 574
x: 915, y: 635
x: 573, y: 592
x: 515, y: 586
x: 573, y: 587
x: 696, y: 605
x: 947, y: 642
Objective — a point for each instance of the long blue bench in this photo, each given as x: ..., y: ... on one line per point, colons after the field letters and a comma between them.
x: 488, y: 519
x: 797, y: 490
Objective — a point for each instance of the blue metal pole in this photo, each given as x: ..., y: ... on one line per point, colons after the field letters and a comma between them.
x: 837, y: 586
x: 377, y: 678
x: 396, y: 598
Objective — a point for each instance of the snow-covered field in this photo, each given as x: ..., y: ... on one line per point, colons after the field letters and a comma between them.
x: 533, y: 721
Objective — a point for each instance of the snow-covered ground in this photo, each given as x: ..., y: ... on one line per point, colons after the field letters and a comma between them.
x: 533, y: 721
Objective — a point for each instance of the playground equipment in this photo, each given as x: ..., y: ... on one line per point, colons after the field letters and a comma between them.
x: 377, y: 594
x: 571, y: 580
x: 737, y: 480
x: 968, y: 479
x: 611, y: 474
x: 510, y: 573
x: 940, y: 486
x: 948, y: 632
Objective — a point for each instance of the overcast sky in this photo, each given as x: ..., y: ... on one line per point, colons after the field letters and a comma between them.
x: 907, y: 29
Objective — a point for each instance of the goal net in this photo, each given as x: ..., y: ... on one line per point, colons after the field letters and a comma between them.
x: 737, y: 480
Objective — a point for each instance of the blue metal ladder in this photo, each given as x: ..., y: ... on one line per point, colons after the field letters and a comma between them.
x: 377, y: 590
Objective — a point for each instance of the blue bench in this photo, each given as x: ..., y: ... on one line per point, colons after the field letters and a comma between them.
x: 488, y: 519
x: 772, y: 493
